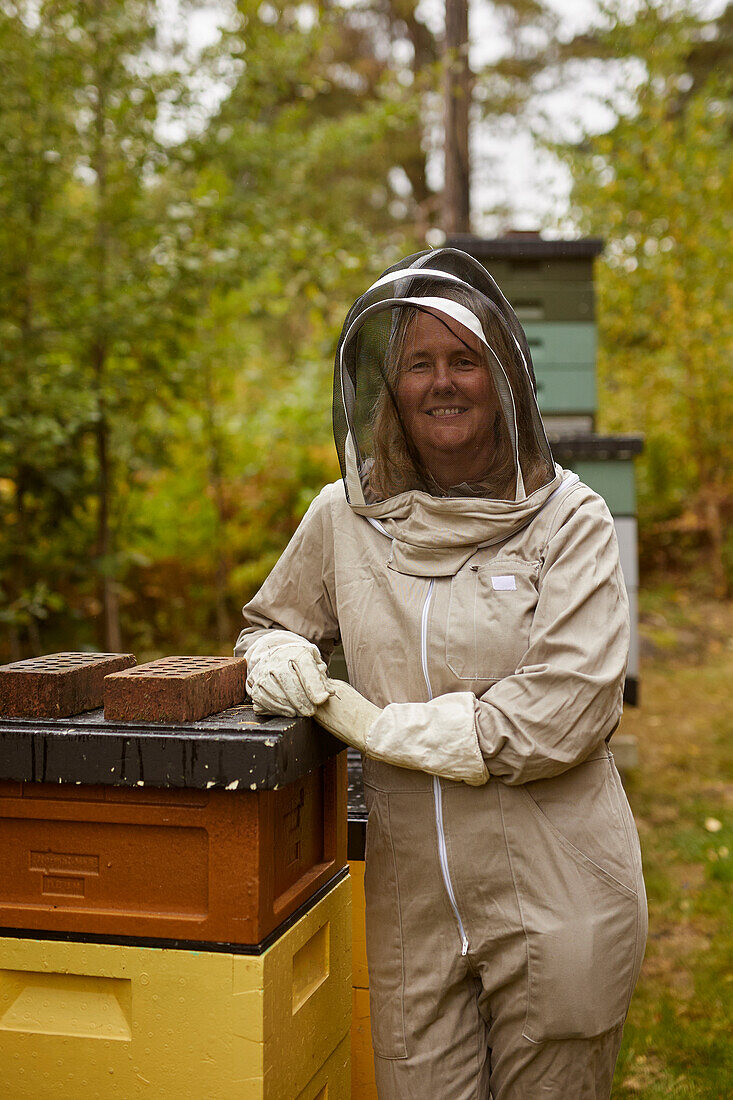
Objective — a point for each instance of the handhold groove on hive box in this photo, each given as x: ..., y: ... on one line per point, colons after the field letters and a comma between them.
x: 65, y: 1004
x: 157, y: 871
x: 310, y: 966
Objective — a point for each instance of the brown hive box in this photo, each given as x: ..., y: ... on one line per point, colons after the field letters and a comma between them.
x: 58, y: 684
x: 212, y: 866
x: 175, y: 689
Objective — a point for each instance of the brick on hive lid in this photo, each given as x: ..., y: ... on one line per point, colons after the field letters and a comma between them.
x: 175, y: 689
x: 57, y: 684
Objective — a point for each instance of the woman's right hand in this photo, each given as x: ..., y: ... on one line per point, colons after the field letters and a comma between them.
x: 286, y: 675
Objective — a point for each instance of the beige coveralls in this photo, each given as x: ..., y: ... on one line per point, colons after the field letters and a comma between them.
x: 506, y: 923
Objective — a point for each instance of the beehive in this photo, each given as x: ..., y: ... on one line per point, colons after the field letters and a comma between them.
x: 363, y: 1084
x: 80, y: 1019
x: 179, y: 908
x: 550, y: 286
x: 191, y: 865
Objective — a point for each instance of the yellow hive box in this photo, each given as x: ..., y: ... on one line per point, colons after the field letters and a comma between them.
x: 360, y: 974
x: 363, y: 1085
x: 99, y: 1020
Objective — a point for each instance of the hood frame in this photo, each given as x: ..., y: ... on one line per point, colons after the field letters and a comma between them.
x: 427, y: 264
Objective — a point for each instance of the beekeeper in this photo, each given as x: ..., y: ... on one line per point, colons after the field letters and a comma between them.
x: 477, y: 591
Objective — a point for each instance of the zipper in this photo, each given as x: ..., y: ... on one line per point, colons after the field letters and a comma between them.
x: 424, y: 636
x: 443, y: 853
x: 437, y: 790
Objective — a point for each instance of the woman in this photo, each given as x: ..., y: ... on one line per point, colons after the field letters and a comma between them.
x: 477, y: 591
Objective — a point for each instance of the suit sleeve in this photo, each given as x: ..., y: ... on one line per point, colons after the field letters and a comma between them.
x: 298, y: 595
x: 565, y: 698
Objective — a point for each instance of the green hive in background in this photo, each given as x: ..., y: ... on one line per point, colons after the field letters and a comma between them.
x: 550, y: 286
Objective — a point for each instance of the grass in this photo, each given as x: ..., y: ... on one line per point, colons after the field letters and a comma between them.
x: 678, y: 1042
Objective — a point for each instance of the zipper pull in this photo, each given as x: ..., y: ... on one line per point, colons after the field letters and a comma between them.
x: 464, y: 946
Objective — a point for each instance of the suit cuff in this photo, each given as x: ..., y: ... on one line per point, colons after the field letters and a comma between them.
x: 438, y: 737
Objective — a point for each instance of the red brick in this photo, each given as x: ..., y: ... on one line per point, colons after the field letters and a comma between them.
x: 175, y: 689
x: 58, y: 684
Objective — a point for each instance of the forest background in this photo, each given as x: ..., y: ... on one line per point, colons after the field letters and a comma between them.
x: 182, y: 231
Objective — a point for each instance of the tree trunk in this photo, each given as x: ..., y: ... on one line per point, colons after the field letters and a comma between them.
x: 19, y: 572
x: 111, y: 637
x: 456, y: 193
x: 223, y: 625
x: 414, y: 157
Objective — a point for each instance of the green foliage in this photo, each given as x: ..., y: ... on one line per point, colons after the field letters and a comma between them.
x: 44, y: 413
x: 659, y: 188
x: 677, y: 1038
x: 170, y: 307
x: 173, y: 277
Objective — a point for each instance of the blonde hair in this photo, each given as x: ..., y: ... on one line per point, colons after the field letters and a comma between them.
x: 397, y: 467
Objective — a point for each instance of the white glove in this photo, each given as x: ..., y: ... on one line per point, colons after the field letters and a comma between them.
x: 438, y: 737
x: 347, y: 714
x: 286, y: 675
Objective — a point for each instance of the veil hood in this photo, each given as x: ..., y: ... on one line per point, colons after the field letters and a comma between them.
x: 384, y: 476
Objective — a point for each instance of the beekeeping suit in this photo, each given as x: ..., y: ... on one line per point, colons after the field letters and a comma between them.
x: 477, y: 591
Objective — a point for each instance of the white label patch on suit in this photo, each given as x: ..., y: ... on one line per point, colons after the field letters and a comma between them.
x: 504, y: 584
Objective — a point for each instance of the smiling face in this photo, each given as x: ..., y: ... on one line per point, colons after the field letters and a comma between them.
x: 447, y: 400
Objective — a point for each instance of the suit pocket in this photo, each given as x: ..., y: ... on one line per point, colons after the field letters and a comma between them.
x: 587, y: 811
x: 383, y: 933
x: 584, y: 920
x: 490, y: 614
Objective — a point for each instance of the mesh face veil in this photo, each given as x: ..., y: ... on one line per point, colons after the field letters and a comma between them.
x: 434, y: 388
